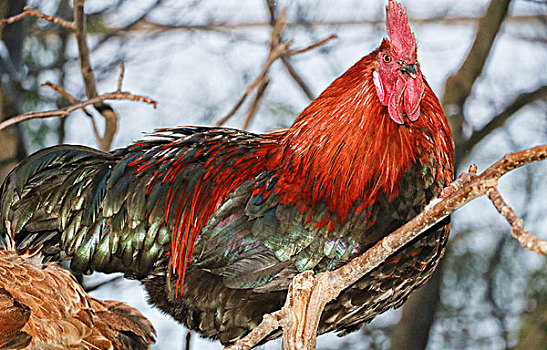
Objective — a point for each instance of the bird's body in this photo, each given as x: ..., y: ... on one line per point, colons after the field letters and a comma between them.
x: 216, y: 222
x: 42, y: 306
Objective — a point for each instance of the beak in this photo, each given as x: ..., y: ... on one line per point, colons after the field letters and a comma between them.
x: 410, y: 69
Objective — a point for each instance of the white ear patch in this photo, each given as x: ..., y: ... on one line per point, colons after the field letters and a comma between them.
x: 379, y: 87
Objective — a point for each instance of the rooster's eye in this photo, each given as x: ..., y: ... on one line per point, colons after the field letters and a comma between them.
x: 387, y: 58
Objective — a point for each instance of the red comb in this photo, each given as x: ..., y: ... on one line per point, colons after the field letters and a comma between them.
x: 398, y: 29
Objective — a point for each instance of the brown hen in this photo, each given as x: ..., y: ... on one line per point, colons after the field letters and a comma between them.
x: 42, y: 306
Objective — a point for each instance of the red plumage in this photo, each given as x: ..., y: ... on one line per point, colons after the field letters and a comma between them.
x: 322, y: 153
x: 233, y: 216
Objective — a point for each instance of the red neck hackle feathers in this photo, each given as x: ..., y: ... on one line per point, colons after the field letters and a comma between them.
x: 345, y: 149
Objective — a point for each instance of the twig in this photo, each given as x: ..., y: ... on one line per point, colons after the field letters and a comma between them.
x: 499, y: 120
x: 254, y: 106
x: 310, y: 47
x: 525, y: 238
x: 30, y: 12
x: 146, y: 25
x: 188, y: 340
x: 67, y: 110
x: 79, y: 27
x: 272, y: 6
x: 297, y: 78
x: 120, y: 79
x: 328, y: 285
x: 74, y: 101
x: 61, y: 92
x: 278, y: 49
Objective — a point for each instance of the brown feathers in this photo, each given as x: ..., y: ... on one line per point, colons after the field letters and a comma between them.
x: 42, y: 306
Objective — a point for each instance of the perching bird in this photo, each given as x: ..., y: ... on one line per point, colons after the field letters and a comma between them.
x: 42, y: 306
x: 216, y: 222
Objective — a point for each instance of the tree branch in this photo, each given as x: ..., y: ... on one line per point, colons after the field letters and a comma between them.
x: 30, y: 12
x: 79, y: 27
x: 67, y: 110
x: 278, y: 49
x: 145, y: 25
x: 327, y: 285
x: 525, y: 238
x: 496, y: 122
x: 458, y: 86
x: 109, y: 115
x: 83, y: 50
x: 272, y: 6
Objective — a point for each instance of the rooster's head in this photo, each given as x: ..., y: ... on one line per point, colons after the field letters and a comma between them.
x: 397, y: 77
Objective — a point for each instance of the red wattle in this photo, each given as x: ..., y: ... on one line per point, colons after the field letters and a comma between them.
x: 395, y: 105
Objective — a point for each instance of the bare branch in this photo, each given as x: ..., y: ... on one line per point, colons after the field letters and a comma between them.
x: 188, y: 340
x: 496, y: 122
x: 310, y: 47
x: 67, y: 110
x: 278, y: 49
x: 61, y: 92
x: 30, y: 12
x: 254, y: 106
x: 525, y: 238
x: 272, y: 6
x: 79, y: 27
x: 145, y: 25
x: 270, y: 322
x: 109, y: 115
x: 83, y: 50
x: 458, y: 86
x: 73, y: 100
x: 327, y: 285
x: 120, y: 79
x: 297, y: 78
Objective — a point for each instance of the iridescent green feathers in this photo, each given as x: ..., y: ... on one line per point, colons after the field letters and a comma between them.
x: 120, y: 211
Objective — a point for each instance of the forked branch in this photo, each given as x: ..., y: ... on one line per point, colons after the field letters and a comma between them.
x: 78, y: 25
x: 62, y: 112
x: 278, y: 49
x: 299, y: 317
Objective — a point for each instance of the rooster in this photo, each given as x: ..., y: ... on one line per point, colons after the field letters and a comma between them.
x: 42, y: 306
x: 216, y: 222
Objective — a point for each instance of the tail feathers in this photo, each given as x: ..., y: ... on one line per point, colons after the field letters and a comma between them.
x: 57, y: 199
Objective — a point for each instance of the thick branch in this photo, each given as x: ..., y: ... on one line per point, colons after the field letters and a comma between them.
x: 110, y: 116
x: 83, y: 50
x: 458, y: 86
x: 328, y: 285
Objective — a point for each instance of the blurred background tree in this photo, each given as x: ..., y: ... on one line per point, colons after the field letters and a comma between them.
x: 484, y: 59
